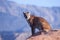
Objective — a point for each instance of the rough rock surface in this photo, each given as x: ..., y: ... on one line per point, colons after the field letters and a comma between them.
x: 52, y: 35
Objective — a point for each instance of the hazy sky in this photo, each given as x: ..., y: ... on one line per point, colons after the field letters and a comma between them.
x: 39, y: 2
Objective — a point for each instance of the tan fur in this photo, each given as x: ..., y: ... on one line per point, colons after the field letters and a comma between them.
x: 45, y: 24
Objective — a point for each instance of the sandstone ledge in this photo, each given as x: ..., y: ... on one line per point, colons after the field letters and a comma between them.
x: 53, y: 35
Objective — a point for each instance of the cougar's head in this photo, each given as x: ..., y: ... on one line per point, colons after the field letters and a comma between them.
x: 26, y: 15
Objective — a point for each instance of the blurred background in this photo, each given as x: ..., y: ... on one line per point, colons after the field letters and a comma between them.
x: 12, y: 22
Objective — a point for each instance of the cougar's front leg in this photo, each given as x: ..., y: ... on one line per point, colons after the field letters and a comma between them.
x: 33, y: 31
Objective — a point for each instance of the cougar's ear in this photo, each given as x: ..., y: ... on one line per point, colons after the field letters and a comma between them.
x: 23, y: 12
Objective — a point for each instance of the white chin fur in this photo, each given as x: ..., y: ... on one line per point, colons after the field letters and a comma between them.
x: 28, y: 17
